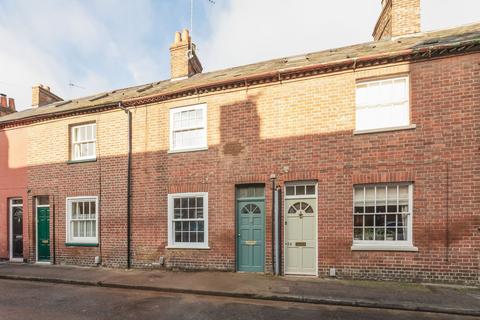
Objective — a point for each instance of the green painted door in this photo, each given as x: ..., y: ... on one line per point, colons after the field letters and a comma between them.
x: 251, y: 235
x: 43, y: 233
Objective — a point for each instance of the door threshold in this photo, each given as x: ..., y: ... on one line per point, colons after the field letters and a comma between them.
x: 16, y: 260
x: 299, y: 275
x: 43, y: 262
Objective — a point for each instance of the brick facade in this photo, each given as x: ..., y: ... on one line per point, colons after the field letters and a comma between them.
x: 301, y: 129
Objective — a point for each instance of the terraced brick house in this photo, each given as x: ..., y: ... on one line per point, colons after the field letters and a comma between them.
x: 356, y: 162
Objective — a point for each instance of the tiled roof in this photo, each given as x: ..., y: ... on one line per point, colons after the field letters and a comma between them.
x: 462, y: 37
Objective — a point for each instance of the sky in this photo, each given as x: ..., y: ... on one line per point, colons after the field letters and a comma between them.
x: 83, y: 47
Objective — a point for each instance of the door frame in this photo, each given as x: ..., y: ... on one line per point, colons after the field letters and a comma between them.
x: 237, y: 200
x: 10, y: 227
x: 285, y: 198
x: 36, y: 229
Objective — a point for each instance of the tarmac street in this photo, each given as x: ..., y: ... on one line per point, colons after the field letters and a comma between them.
x: 35, y: 300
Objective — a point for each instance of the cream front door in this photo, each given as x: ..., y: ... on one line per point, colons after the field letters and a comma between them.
x: 300, y: 236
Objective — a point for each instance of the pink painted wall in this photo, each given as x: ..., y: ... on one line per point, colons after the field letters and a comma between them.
x: 13, y: 183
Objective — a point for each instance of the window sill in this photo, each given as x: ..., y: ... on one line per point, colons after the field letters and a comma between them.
x: 383, y: 247
x: 188, y: 150
x: 81, y: 161
x: 79, y: 244
x: 409, y: 127
x: 187, y: 247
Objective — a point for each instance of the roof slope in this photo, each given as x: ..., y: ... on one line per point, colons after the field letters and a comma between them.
x: 458, y: 36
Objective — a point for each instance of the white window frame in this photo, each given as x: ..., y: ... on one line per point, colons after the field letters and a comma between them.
x: 386, y: 245
x: 204, y: 145
x: 171, y: 231
x: 73, y: 143
x: 82, y: 240
x: 388, y: 127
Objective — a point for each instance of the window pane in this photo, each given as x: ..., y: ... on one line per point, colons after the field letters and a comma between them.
x: 380, y: 220
x: 259, y: 191
x: 310, y: 190
x: 379, y: 233
x: 390, y: 234
x: 368, y: 234
x: 358, y: 234
x: 300, y: 190
x: 369, y: 220
x: 358, y: 221
x: 41, y: 200
x: 290, y: 191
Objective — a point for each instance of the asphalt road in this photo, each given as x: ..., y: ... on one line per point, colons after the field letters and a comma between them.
x: 33, y: 300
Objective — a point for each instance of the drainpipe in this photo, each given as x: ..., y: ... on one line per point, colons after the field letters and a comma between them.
x: 129, y: 169
x: 277, y: 231
x: 272, y: 178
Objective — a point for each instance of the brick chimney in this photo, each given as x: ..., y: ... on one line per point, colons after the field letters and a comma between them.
x: 4, y: 107
x: 184, y: 62
x: 398, y: 18
x: 11, y: 104
x: 42, y: 96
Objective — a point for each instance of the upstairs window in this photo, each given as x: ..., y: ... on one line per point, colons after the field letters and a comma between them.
x: 84, y: 140
x: 382, y: 104
x: 188, y: 128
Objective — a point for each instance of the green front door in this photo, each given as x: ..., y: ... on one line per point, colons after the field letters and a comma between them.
x: 43, y: 233
x: 251, y: 235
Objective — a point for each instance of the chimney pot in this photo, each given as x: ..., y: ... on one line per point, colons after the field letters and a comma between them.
x: 3, y: 101
x: 178, y: 37
x: 11, y: 104
x: 185, y: 35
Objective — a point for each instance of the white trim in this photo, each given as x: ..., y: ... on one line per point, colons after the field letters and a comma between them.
x: 171, y: 233
x: 383, y: 247
x: 36, y: 230
x: 201, y: 106
x: 187, y: 150
x: 295, y: 183
x: 85, y: 240
x: 10, y: 228
x: 409, y: 127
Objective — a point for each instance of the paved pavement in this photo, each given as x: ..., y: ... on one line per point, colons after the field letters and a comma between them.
x: 388, y: 295
x: 35, y: 300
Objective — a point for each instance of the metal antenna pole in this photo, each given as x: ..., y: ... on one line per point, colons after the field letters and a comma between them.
x: 191, y: 16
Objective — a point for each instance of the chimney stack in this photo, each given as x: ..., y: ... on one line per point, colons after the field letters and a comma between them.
x: 42, y: 96
x: 398, y: 18
x: 184, y: 62
x: 3, y: 101
x: 4, y: 107
x: 11, y: 104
